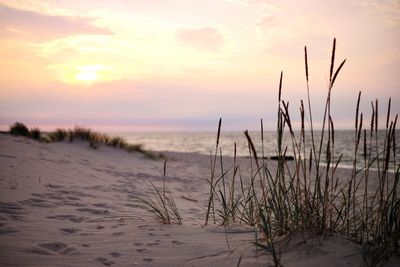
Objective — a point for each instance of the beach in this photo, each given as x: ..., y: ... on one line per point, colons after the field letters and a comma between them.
x: 67, y: 204
x: 112, y: 154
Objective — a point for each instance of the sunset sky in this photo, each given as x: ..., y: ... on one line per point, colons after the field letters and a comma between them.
x: 179, y: 65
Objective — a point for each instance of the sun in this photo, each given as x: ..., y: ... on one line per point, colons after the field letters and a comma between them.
x: 84, y: 74
x: 89, y: 73
x: 87, y: 76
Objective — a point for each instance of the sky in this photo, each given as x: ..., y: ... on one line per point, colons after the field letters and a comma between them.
x: 180, y: 65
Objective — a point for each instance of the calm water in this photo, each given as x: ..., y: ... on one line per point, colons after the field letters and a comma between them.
x: 204, y: 142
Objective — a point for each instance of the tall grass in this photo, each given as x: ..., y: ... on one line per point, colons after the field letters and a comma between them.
x: 161, y: 203
x: 307, y: 194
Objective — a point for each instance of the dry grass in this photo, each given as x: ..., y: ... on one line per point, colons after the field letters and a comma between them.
x: 19, y: 128
x: 95, y: 139
x: 307, y: 194
x: 161, y: 203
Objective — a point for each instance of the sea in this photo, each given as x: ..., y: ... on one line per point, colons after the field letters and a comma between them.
x: 205, y: 143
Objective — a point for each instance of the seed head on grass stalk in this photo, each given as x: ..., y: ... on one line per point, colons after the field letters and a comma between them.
x: 319, y: 202
x: 210, y: 205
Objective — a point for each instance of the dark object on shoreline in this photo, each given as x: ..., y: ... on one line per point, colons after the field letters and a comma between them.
x: 281, y: 157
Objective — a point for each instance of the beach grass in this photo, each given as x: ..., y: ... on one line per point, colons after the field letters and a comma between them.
x: 19, y: 128
x: 36, y: 133
x: 95, y: 139
x: 160, y: 202
x: 307, y: 193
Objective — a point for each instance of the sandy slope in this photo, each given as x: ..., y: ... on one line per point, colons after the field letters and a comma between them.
x: 65, y: 204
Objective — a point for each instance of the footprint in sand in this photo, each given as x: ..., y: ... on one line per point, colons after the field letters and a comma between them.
x: 12, y: 211
x: 39, y: 251
x: 93, y: 211
x: 130, y: 205
x: 7, y: 229
x: 11, y: 208
x: 52, y: 248
x: 54, y: 196
x: 74, y: 193
x: 70, y: 230
x: 72, y: 218
x: 53, y: 186
x: 103, y: 205
x: 72, y: 198
x: 115, y: 254
x: 119, y: 224
x: 73, y: 204
x: 37, y: 202
x: 68, y: 251
x: 104, y: 261
x: 152, y: 244
x: 118, y: 233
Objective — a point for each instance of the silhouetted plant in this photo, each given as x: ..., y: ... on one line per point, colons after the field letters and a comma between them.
x: 95, y: 139
x: 36, y: 133
x: 306, y: 194
x: 58, y: 135
x: 19, y: 128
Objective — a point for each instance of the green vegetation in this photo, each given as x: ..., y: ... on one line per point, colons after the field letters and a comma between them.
x: 307, y: 193
x: 161, y: 203
x: 83, y: 134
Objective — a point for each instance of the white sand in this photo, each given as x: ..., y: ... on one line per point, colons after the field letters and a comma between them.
x: 65, y: 204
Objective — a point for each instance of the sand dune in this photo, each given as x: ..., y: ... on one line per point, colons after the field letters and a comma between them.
x: 65, y: 204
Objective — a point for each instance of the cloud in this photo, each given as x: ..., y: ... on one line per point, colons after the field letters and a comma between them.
x: 208, y: 39
x: 30, y: 24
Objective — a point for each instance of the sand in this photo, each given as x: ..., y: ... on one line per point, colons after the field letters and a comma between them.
x: 66, y: 204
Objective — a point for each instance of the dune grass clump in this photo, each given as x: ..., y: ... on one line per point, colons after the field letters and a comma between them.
x: 36, y: 133
x: 85, y: 134
x: 307, y: 193
x: 80, y: 133
x: 95, y: 139
x: 161, y: 203
x: 58, y: 135
x: 118, y: 142
x: 19, y: 128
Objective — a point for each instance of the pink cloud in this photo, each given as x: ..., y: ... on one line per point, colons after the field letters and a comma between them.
x: 23, y: 23
x: 208, y: 38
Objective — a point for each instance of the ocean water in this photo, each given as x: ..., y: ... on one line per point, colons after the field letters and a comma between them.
x: 204, y: 143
